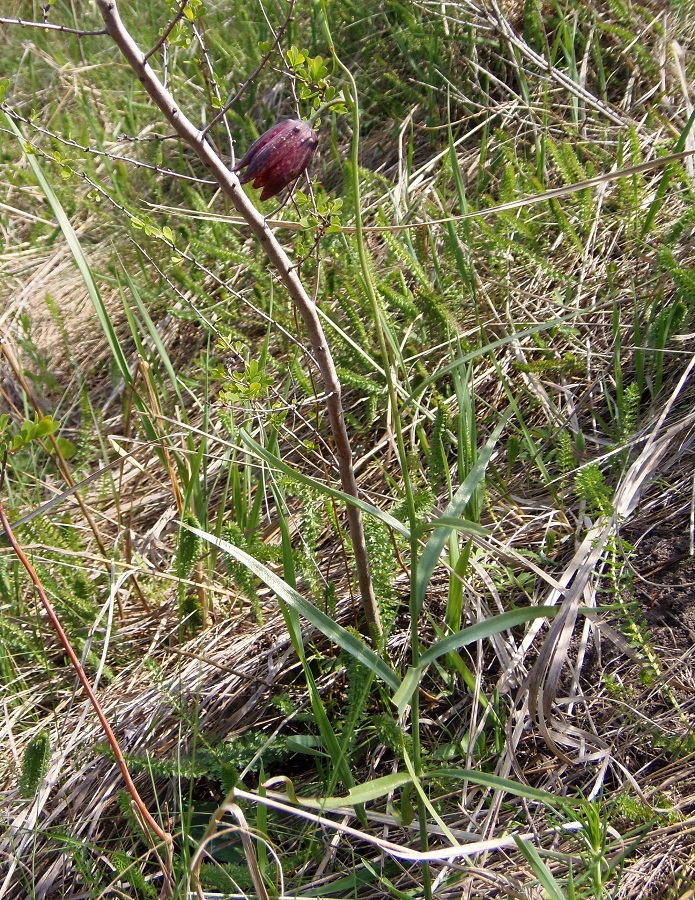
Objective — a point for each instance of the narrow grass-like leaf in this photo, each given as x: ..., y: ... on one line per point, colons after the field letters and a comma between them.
x: 347, y: 886
x: 409, y: 684
x: 156, y: 340
x: 308, y: 744
x: 326, y: 731
x: 288, y: 569
x: 469, y: 635
x: 488, y: 348
x: 372, y: 364
x: 465, y: 526
x: 481, y: 630
x: 545, y: 877
x: 665, y: 179
x: 78, y: 256
x: 435, y: 544
x: 497, y: 783
x: 327, y: 626
x: 425, y: 800
x: 276, y: 463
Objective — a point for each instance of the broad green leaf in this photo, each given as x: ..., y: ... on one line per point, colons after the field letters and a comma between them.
x: 66, y: 447
x: 364, y: 793
x: 45, y: 426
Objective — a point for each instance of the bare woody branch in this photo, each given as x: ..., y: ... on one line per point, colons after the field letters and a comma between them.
x: 229, y: 184
x: 48, y: 26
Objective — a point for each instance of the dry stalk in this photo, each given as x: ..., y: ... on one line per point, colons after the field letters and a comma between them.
x: 231, y: 187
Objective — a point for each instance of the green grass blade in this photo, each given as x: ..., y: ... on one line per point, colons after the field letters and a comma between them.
x: 78, y: 256
x: 276, y: 463
x: 488, y: 348
x: 156, y: 340
x: 465, y: 526
x: 545, y: 877
x: 365, y: 793
x: 482, y: 630
x: 470, y: 635
x: 330, y: 739
x: 497, y: 783
x: 665, y: 179
x: 334, y: 632
x: 435, y: 544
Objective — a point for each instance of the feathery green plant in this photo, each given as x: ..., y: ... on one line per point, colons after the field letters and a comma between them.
x: 37, y: 756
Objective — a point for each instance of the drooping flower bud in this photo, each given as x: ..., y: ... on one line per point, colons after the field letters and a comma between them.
x: 279, y: 156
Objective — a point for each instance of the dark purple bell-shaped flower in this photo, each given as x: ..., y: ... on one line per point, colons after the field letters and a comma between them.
x: 279, y: 156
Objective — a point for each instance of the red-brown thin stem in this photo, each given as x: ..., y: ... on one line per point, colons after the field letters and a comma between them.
x: 167, y: 31
x: 67, y: 646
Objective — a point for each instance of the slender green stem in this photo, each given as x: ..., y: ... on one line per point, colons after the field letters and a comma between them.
x: 324, y: 108
x: 353, y: 104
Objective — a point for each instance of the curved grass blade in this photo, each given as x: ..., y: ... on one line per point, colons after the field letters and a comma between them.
x: 276, y: 463
x: 78, y: 255
x: 469, y: 635
x: 438, y: 538
x: 334, y: 632
x: 551, y: 888
x: 366, y: 792
x: 497, y: 783
x: 557, y: 322
x: 484, y: 629
x: 465, y: 526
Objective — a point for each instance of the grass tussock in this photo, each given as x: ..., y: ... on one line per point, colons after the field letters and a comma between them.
x: 498, y: 238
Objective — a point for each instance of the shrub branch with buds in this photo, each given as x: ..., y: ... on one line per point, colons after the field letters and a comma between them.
x: 231, y: 186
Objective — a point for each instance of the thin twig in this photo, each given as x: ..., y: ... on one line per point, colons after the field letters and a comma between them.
x: 167, y: 31
x: 256, y: 72
x: 24, y: 23
x: 61, y: 462
x: 98, y: 151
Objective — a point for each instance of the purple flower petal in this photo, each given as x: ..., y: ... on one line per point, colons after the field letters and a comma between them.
x: 279, y: 156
